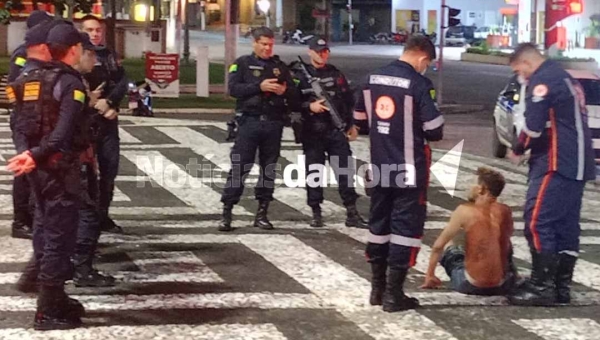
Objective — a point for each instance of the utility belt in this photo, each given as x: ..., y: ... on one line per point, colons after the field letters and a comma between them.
x: 263, y: 117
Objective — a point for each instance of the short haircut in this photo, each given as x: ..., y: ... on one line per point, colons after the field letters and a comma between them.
x: 262, y: 32
x: 91, y: 17
x: 492, y: 180
x: 58, y: 51
x: 523, y: 50
x: 421, y: 44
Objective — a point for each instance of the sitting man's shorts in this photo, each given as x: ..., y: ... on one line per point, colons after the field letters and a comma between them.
x: 453, y: 262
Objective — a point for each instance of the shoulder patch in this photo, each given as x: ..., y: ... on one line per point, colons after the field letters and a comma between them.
x: 540, y: 90
x: 10, y: 93
x: 31, y: 91
x: 432, y: 94
x: 79, y: 96
x: 233, y: 68
x: 20, y: 61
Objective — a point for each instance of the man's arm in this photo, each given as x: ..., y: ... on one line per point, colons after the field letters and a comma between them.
x: 452, y: 229
x: 72, y: 99
x: 433, y: 121
x: 362, y: 108
x: 17, y: 62
x: 538, y: 103
x: 348, y: 99
x: 237, y: 87
x: 120, y: 90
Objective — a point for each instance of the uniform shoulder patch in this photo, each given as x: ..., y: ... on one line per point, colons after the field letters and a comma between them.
x: 31, y: 91
x: 79, y: 96
x: 20, y: 61
x: 233, y: 68
x: 10, y: 93
x: 540, y: 90
x: 432, y: 94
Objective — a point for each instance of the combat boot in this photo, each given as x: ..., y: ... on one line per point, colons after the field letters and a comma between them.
x: 564, y: 276
x: 56, y: 311
x: 28, y: 282
x: 378, y: 282
x: 353, y: 218
x: 540, y: 289
x: 225, y: 224
x: 109, y: 226
x: 22, y: 230
x: 261, y: 220
x: 394, y: 299
x: 317, y: 219
x: 86, y: 276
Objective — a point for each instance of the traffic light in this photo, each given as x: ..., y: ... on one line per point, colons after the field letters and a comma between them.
x: 452, y: 14
x: 575, y: 6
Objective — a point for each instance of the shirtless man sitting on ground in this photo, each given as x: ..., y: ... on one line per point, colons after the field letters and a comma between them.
x: 485, y: 266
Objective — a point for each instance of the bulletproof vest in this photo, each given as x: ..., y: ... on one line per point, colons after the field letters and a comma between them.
x: 36, y: 111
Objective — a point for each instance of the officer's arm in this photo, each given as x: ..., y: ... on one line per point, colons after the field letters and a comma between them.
x: 71, y: 95
x: 292, y: 91
x: 433, y: 121
x: 120, y: 90
x: 360, y: 116
x: 17, y: 62
x: 537, y: 104
x: 237, y: 87
x: 348, y: 99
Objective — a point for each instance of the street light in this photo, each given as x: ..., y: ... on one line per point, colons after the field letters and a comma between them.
x: 264, y: 6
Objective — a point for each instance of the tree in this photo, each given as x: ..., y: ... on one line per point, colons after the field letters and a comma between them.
x: 6, y: 7
x: 74, y: 6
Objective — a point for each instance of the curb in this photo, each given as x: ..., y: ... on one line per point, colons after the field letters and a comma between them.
x: 460, y: 109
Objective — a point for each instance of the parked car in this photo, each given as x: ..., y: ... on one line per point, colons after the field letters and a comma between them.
x: 460, y: 35
x: 509, y: 114
x: 482, y: 33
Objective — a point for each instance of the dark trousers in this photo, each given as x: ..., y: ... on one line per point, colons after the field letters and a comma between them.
x: 552, y: 213
x: 108, y: 149
x: 22, y: 201
x: 334, y: 147
x: 396, y: 223
x: 88, y: 231
x: 254, y: 134
x: 56, y: 219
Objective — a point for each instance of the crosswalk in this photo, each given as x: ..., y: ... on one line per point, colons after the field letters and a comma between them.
x: 179, y: 278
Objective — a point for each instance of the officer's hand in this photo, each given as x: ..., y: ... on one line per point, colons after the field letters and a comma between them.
x: 110, y: 114
x: 318, y: 107
x: 269, y: 85
x: 513, y: 158
x: 21, y: 164
x: 431, y: 282
x: 352, y: 134
x: 94, y: 96
x: 102, y: 105
x: 281, y: 88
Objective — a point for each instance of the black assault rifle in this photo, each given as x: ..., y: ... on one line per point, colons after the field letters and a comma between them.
x: 317, y: 90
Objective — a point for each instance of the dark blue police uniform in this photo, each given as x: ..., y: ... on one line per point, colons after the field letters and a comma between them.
x: 561, y: 161
x: 399, y: 105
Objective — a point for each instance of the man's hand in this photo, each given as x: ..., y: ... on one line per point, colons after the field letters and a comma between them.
x: 110, y: 114
x: 21, y: 164
x: 352, y: 134
x: 270, y: 85
x: 102, y: 105
x: 94, y: 96
x: 514, y: 159
x: 281, y: 88
x: 431, y: 282
x: 318, y: 107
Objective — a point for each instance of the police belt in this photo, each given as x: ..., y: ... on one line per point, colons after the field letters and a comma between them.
x: 263, y: 117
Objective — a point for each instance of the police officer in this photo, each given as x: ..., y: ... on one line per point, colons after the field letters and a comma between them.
x: 23, y: 219
x: 261, y: 83
x: 107, y: 71
x: 321, y: 137
x: 46, y: 153
x: 561, y: 161
x: 399, y: 103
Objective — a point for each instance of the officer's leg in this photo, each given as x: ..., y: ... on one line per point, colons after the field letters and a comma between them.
x: 314, y: 163
x: 568, y: 233
x: 28, y: 282
x: 88, y: 233
x: 407, y: 225
x: 55, y: 310
x: 340, y: 158
x: 108, y: 164
x: 22, y: 223
x: 542, y: 214
x: 378, y: 245
x: 242, y: 158
x: 268, y: 154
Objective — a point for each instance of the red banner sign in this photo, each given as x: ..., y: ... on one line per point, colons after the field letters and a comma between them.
x: 162, y: 73
x: 556, y: 11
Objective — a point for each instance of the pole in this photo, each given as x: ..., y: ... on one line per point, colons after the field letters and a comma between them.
x: 231, y: 32
x: 534, y: 24
x: 268, y: 19
x: 441, y: 56
x: 186, y: 34
x: 350, y: 22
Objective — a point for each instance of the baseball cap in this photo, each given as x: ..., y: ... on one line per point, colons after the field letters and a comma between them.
x: 86, y: 42
x: 64, y: 34
x: 318, y: 44
x: 37, y: 17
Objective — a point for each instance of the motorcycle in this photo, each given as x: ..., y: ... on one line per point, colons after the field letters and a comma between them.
x: 297, y: 37
x: 379, y: 38
x: 140, y: 99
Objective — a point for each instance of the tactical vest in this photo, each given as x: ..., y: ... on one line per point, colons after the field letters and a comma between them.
x: 36, y: 109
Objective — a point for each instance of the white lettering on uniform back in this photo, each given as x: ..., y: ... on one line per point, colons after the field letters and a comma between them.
x: 390, y: 81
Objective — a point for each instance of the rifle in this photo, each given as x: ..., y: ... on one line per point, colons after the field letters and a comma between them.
x: 318, y: 91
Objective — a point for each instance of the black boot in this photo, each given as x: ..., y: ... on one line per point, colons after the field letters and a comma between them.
x: 261, y: 220
x: 56, y: 311
x: 378, y: 280
x: 353, y: 218
x: 225, y: 224
x: 22, y: 230
x: 539, y: 290
x: 27, y: 282
x: 86, y: 276
x: 564, y: 276
x: 317, y: 219
x: 394, y: 299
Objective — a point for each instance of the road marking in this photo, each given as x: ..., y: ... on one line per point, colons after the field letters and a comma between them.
x: 127, y: 138
x: 561, y: 329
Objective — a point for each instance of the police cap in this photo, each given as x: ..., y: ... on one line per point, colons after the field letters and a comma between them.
x: 38, y: 34
x: 64, y: 34
x: 318, y: 44
x: 38, y: 17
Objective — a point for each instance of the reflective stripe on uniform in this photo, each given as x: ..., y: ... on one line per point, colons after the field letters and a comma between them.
x: 379, y: 239
x: 368, y: 104
x: 406, y: 241
x: 358, y: 115
x: 409, y: 147
x: 433, y: 124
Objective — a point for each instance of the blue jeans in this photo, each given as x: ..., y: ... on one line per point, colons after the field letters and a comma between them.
x: 453, y: 262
